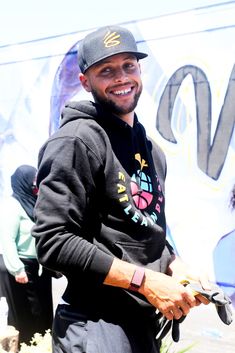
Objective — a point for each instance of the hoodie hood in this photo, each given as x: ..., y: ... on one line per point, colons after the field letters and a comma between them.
x: 93, y: 111
x: 77, y: 110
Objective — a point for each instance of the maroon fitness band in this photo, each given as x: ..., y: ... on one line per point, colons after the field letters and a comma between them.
x: 137, y: 279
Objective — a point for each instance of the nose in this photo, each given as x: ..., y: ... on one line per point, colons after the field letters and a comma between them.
x: 120, y: 75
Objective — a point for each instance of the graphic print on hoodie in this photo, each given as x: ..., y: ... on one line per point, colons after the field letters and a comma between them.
x: 142, y: 189
x: 134, y: 153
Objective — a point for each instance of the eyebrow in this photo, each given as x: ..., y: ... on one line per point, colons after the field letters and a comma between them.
x: 109, y: 60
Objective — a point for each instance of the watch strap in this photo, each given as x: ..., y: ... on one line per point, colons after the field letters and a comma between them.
x: 137, y: 279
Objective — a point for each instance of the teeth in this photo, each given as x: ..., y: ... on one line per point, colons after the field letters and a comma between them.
x: 125, y: 91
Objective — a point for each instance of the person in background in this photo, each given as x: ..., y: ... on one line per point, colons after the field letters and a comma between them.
x: 5, y: 289
x: 29, y: 293
x: 99, y: 216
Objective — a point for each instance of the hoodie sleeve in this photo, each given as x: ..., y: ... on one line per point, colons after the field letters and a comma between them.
x: 66, y: 219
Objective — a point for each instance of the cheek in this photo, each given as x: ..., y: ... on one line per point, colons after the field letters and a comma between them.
x: 99, y: 87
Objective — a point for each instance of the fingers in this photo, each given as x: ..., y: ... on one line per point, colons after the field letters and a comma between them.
x: 185, y: 307
x: 176, y: 311
x: 201, y: 300
x: 168, y: 314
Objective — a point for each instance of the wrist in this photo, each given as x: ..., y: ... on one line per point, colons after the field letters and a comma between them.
x: 19, y: 272
x: 137, y: 279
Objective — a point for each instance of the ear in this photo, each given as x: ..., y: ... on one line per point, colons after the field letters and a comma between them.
x: 85, y: 82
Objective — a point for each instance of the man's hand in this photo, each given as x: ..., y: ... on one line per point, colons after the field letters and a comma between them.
x: 182, y: 272
x: 167, y: 295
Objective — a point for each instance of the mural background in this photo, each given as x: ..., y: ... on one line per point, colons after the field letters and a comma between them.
x: 187, y: 106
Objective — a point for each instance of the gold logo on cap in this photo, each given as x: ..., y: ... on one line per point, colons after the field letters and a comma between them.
x: 111, y: 39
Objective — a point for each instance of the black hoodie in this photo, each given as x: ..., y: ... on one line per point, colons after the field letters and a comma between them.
x: 100, y: 197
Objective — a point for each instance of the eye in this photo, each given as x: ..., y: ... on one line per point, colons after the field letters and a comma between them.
x: 130, y: 67
x: 106, y: 71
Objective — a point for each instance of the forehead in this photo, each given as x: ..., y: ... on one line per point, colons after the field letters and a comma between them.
x: 116, y: 59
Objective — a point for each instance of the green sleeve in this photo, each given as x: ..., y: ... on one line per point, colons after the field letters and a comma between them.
x: 9, y: 231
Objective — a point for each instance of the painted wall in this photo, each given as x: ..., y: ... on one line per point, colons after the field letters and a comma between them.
x: 187, y: 106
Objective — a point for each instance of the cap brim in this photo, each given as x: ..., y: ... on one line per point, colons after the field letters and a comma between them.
x: 140, y: 55
x: 137, y: 54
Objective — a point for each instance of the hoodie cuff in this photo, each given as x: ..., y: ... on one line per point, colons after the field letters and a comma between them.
x: 101, y: 264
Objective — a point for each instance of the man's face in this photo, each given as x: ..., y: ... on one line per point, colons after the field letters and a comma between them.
x: 115, y: 83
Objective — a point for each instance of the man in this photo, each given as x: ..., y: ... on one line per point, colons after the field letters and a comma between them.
x: 100, y: 213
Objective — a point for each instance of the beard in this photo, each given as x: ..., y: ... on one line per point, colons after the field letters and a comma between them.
x: 114, y: 108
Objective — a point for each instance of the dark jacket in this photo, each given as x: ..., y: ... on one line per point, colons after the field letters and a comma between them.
x: 101, y: 196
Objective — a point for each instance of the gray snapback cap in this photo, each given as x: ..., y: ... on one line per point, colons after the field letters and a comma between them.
x: 105, y: 42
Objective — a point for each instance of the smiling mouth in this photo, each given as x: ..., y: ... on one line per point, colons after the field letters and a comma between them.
x: 122, y: 92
